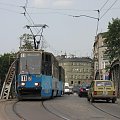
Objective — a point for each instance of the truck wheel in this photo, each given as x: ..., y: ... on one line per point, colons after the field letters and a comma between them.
x: 113, y: 100
x: 88, y: 99
x: 92, y: 99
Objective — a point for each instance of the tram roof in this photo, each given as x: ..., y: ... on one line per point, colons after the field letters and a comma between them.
x: 34, y: 51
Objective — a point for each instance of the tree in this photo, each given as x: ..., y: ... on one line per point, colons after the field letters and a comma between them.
x: 27, y: 43
x: 112, y: 40
x: 5, y: 61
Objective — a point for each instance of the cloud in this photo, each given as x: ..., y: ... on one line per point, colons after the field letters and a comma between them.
x: 63, y: 2
x: 46, y: 3
x: 41, y: 2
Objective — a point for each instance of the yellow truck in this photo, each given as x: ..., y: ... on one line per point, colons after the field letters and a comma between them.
x: 102, y: 90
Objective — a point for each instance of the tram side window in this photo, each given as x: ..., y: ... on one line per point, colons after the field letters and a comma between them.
x: 55, y: 71
x: 17, y: 67
x: 61, y: 74
x: 46, y: 64
x: 48, y: 58
x: 55, y: 68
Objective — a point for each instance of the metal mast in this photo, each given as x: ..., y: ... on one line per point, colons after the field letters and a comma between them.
x: 37, y: 42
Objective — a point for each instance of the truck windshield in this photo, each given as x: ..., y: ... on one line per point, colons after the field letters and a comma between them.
x: 103, y: 83
x: 66, y: 87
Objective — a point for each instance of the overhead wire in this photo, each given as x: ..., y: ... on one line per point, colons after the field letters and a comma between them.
x: 26, y: 6
x: 30, y: 20
x: 60, y: 9
x: 58, y: 13
x: 8, y: 10
x: 104, y: 5
x: 85, y: 16
x: 9, y: 4
x: 108, y: 9
x: 25, y: 12
x: 36, y: 29
x: 26, y: 3
x: 29, y: 17
x: 99, y: 10
x: 42, y: 39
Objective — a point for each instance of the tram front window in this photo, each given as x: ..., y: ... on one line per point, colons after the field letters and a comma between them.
x: 30, y: 63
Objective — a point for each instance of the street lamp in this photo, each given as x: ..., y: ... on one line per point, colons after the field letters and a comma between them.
x: 86, y: 16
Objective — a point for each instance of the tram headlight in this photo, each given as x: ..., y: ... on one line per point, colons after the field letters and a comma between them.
x: 22, y: 84
x: 37, y: 84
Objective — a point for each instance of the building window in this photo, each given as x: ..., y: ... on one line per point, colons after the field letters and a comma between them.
x: 106, y: 64
x: 71, y: 76
x: 65, y: 63
x: 74, y: 63
x: 82, y: 76
x: 71, y: 82
x: 86, y: 76
x: 102, y: 44
x: 78, y: 82
x: 96, y: 66
x: 105, y: 57
x: 103, y: 65
x: 77, y: 69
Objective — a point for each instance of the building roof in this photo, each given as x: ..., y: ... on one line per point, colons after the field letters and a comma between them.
x: 76, y: 59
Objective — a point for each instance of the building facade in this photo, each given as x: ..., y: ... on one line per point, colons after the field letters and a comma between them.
x: 99, y: 58
x: 77, y: 70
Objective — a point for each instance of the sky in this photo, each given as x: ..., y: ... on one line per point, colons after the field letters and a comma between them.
x: 65, y: 32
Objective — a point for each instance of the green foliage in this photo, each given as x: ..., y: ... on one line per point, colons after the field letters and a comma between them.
x: 112, y: 40
x: 107, y: 68
x: 5, y: 61
x: 27, y: 43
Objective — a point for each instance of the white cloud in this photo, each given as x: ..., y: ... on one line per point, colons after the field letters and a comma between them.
x: 62, y: 2
x: 41, y: 3
x: 46, y: 3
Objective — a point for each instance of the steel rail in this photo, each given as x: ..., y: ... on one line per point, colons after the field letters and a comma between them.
x: 16, y: 113
x: 108, y: 113
x: 58, y: 115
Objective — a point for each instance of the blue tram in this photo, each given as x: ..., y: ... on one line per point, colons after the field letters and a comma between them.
x: 61, y: 81
x: 38, y: 75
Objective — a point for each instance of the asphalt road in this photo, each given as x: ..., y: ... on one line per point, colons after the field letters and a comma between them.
x: 68, y: 107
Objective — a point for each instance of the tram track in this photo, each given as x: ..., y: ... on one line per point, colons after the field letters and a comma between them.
x: 4, y: 112
x: 102, y: 110
x: 44, y: 107
x: 16, y: 113
x: 2, y: 109
x: 50, y: 111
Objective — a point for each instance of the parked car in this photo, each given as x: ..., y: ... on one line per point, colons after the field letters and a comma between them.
x: 76, y: 89
x: 71, y: 89
x: 83, y: 91
x: 67, y: 90
x: 103, y: 90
